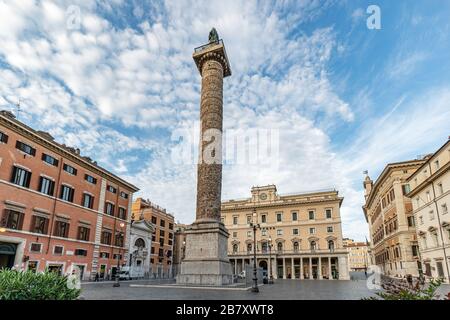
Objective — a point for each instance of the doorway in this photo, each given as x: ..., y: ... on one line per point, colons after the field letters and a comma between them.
x: 7, y: 254
x: 57, y: 268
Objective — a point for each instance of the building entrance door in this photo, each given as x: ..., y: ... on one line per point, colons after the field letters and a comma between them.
x: 7, y: 254
x: 314, y: 272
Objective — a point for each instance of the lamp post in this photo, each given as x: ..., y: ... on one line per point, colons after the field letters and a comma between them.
x: 270, y: 262
x: 116, y: 282
x: 254, y: 226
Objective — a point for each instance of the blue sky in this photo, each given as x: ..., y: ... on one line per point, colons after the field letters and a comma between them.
x: 117, y: 80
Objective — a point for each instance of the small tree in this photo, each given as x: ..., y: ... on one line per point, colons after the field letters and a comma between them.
x: 27, y: 285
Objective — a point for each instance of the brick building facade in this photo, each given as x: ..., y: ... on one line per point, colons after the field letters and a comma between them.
x: 58, y: 209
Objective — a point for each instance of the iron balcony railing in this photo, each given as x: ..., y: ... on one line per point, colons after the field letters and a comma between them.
x: 210, y: 44
x: 280, y: 252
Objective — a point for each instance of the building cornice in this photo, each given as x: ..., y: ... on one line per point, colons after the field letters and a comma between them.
x: 442, y: 170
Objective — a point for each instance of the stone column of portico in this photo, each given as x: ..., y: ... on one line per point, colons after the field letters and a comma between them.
x: 284, y: 268
x: 330, y: 277
x: 206, y: 261
x: 302, y: 276
x: 235, y: 266
x: 319, y: 269
x: 243, y: 264
x: 293, y: 269
x: 310, y: 268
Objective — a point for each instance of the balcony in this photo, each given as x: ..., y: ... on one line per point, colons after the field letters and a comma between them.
x: 286, y: 252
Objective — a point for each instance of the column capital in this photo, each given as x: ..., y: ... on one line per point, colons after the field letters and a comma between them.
x: 212, y: 51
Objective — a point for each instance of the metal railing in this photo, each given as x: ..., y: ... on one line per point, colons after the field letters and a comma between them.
x: 280, y: 252
x: 210, y: 44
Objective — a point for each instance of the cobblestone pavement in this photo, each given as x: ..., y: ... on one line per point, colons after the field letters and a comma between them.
x: 280, y: 290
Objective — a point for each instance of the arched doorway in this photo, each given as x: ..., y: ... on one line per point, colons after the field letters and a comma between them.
x: 263, y: 265
x: 7, y: 254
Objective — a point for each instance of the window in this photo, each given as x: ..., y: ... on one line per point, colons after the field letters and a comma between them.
x: 111, y: 189
x: 66, y: 193
x: 122, y: 213
x: 21, y: 177
x: 249, y: 247
x: 436, y: 165
x: 411, y: 222
x: 431, y: 214
x: 3, y: 137
x: 249, y: 219
x: 222, y: 219
x: 328, y: 213
x: 235, y: 220
x: 264, y: 232
x: 295, y: 231
x: 415, y: 250
x: 406, y: 189
x: 124, y: 195
x: 162, y: 223
x: 88, y: 201
x: 444, y: 208
x: 61, y: 229
x: 280, y: 246
x: 313, y: 245
x: 25, y: 148
x: 235, y: 248
x: 69, y: 169
x: 392, y: 195
x: 161, y: 252
x: 329, y: 229
x: 435, y: 239
x: 279, y: 217
x: 154, y: 220
x: 162, y: 233
x: 39, y: 225
x: 80, y: 252
x: 279, y: 232
x: 117, y: 256
x: 234, y: 234
x: 152, y: 250
x: 36, y: 247
x: 312, y: 230
x: 83, y: 233
x: 170, y: 226
x: 428, y: 196
x: 58, y: 250
x: 440, y: 188
x: 296, y: 246
x: 90, y: 179
x: 118, y: 241
x: 294, y: 216
x: 50, y: 160
x: 106, y: 237
x: 109, y: 208
x: 331, y: 245
x: 311, y: 215
x: 263, y: 218
x: 170, y: 235
x: 249, y: 234
x: 46, y: 186
x: 421, y: 219
x: 12, y: 219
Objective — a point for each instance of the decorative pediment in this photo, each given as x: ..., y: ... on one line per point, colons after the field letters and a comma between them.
x: 331, y: 238
x: 296, y: 240
x: 313, y: 238
x: 249, y: 241
x: 445, y: 224
x: 279, y: 240
x: 144, y: 225
x: 422, y: 233
x: 235, y: 242
x: 432, y: 229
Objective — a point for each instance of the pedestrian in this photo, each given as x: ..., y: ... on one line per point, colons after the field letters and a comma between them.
x: 97, y: 276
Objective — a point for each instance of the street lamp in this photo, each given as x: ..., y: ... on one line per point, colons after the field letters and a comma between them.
x: 255, y: 226
x: 116, y: 282
x: 270, y: 262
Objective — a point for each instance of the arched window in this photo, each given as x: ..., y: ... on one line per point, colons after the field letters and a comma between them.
x: 331, y: 245
x: 313, y: 245
x: 249, y: 247
x: 280, y: 246
x: 296, y: 246
x: 264, y: 247
x: 140, y: 243
x: 235, y: 248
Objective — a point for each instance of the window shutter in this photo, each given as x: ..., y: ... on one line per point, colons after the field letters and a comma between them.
x: 56, y: 231
x: 33, y: 151
x: 43, y: 156
x: 13, y: 176
x: 56, y: 162
x: 5, y: 218
x: 46, y: 226
x: 28, y: 179
x: 20, y: 222
x: 75, y: 171
x: 66, y: 232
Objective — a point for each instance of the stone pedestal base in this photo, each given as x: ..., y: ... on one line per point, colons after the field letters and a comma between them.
x: 206, y: 261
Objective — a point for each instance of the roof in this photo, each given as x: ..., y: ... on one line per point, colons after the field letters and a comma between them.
x: 10, y: 119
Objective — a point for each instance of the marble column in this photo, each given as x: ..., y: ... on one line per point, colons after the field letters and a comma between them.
x: 284, y: 268
x: 330, y: 277
x: 319, y: 268
x: 310, y: 268
x: 301, y: 268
